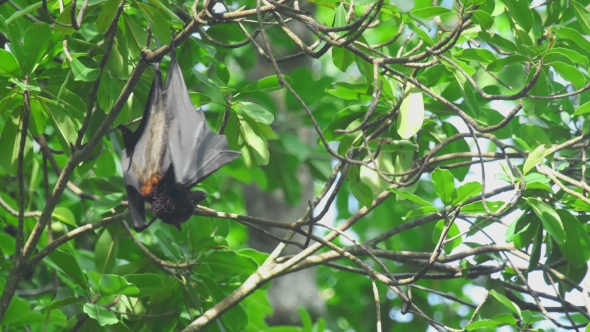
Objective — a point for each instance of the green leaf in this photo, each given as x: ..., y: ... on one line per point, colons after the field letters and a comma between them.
x: 66, y: 129
x: 206, y: 80
x: 444, y: 185
x: 534, y: 158
x: 520, y: 225
x: 537, y: 234
x: 481, y: 324
x: 135, y: 33
x: 362, y: 192
x: 105, y: 165
x: 105, y: 252
x: 411, y: 113
x: 430, y: 12
x: 65, y: 215
x: 220, y: 68
x: 257, y: 112
x: 569, y: 73
x: 342, y: 58
x: 24, y: 86
x: 7, y: 243
x: 372, y: 178
x: 59, y: 304
x: 69, y: 101
x: 108, y: 92
x: 572, y: 55
x: 478, y: 206
x: 27, y: 10
x: 477, y: 54
x: 499, y: 64
x: 100, y: 314
x: 453, y: 231
x: 583, y: 16
x: 85, y: 69
x: 120, y: 327
x: 340, y: 19
x: 68, y: 264
x: 8, y: 65
x: 234, y: 319
x: 573, y: 35
x: 147, y: 283
x: 158, y: 24
x: 534, y: 135
x: 306, y: 320
x: 505, y: 319
x: 457, y: 146
x: 490, y: 117
x: 583, y: 109
x: 64, y: 18
x: 111, y: 284
x: 576, y: 248
x: 36, y: 43
x: 536, y: 107
x: 506, y: 302
x: 550, y: 219
x: 267, y: 84
x: 421, y: 33
x: 410, y: 197
x: 485, y: 20
x: 466, y: 191
x: 229, y: 262
x: 420, y: 212
x: 104, y: 204
x: 107, y: 13
x: 498, y: 40
x: 10, y: 145
x: 199, y: 99
x: 530, y: 318
x: 118, y: 60
x: 259, y: 147
x: 521, y: 13
x: 469, y: 95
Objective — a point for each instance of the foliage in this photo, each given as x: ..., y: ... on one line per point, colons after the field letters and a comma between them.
x: 452, y: 145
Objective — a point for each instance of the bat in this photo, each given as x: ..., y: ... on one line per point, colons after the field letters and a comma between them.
x: 171, y: 151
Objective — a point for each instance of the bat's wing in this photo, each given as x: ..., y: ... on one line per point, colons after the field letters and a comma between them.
x: 196, y: 151
x: 150, y: 155
x: 136, y: 202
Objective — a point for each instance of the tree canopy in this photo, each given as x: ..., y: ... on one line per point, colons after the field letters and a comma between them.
x: 444, y: 142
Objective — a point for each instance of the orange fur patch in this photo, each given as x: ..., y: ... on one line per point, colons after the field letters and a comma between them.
x: 148, y: 187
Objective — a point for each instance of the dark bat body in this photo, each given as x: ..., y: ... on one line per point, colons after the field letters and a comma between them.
x: 170, y: 152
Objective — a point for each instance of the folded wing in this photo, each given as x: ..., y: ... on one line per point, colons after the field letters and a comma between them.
x: 132, y: 187
x: 196, y: 150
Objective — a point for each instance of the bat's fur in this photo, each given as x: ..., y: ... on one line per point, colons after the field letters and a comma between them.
x: 170, y: 203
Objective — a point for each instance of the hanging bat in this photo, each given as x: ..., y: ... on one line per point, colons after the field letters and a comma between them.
x: 171, y: 151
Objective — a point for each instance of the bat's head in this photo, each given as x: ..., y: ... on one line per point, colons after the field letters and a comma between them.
x: 128, y: 140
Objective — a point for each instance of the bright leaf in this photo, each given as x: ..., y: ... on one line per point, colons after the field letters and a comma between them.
x: 100, y: 314
x: 551, y: 221
x: 411, y: 113
x: 444, y: 185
